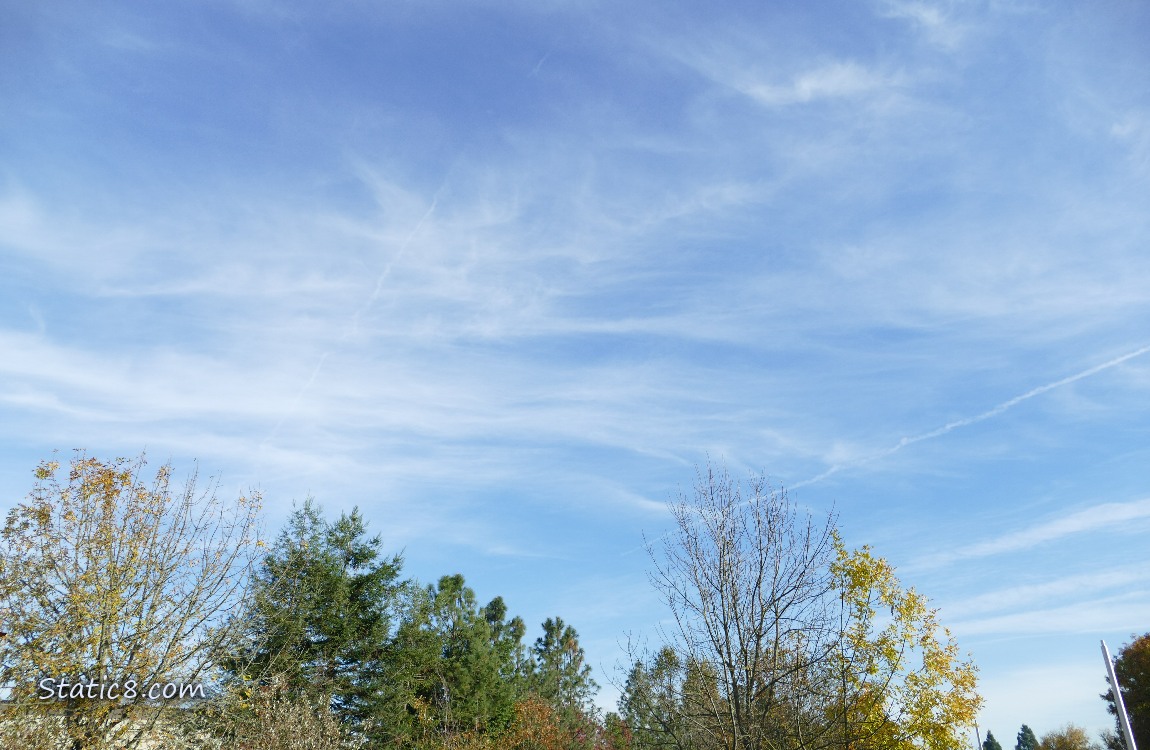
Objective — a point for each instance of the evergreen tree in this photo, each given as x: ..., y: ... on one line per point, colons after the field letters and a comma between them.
x: 990, y: 743
x: 321, y: 613
x: 656, y: 705
x: 1026, y: 739
x: 559, y: 673
x: 457, y: 666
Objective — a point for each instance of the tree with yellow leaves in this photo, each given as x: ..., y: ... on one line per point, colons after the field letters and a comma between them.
x: 904, y: 684
x: 113, y: 589
x: 784, y: 640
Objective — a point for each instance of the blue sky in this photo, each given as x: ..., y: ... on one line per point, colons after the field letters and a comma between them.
x: 503, y: 274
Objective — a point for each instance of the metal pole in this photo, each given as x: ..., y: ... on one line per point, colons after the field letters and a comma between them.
x: 1123, y: 719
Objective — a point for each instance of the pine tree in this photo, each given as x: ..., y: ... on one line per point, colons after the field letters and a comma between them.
x: 656, y: 705
x: 990, y: 743
x: 1026, y: 739
x: 457, y: 667
x: 321, y: 613
x: 559, y: 672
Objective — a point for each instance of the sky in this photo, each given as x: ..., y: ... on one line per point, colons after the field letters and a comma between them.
x: 505, y: 275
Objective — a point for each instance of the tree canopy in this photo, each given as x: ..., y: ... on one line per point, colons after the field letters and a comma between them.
x: 783, y: 638
x: 1026, y: 739
x: 113, y: 580
x: 1069, y: 737
x: 1132, y: 667
x: 321, y: 612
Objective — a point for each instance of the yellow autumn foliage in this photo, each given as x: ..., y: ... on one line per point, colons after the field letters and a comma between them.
x: 108, y: 578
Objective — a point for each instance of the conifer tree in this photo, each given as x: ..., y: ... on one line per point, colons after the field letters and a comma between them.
x: 1026, y: 739
x: 559, y: 672
x: 990, y: 743
x: 321, y: 613
x: 457, y: 666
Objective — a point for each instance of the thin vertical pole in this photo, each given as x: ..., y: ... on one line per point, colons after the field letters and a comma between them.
x: 1123, y: 719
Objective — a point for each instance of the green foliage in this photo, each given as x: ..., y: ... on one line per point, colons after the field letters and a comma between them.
x: 104, y: 577
x: 617, y: 734
x: 559, y: 674
x: 990, y: 743
x: 457, y: 666
x: 1026, y: 739
x: 397, y: 663
x: 651, y: 702
x: 1132, y: 666
x: 321, y: 614
x: 666, y: 703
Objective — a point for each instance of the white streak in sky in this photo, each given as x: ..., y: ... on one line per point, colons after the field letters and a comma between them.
x: 904, y: 442
x: 1039, y: 534
x: 538, y: 65
x: 387, y: 269
x: 355, y: 318
x: 295, y: 402
x: 1094, y: 518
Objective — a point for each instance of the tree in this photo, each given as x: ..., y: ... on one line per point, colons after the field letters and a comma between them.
x: 1069, y: 737
x: 276, y: 716
x: 1132, y: 666
x: 1026, y: 739
x: 112, y: 584
x: 535, y: 727
x: 559, y: 672
x: 746, y: 583
x: 904, y: 684
x: 456, y: 666
x: 990, y: 743
x: 321, y: 614
x: 777, y: 638
x: 667, y: 703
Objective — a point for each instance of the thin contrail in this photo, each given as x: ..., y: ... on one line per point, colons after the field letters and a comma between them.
x: 354, y: 324
x: 904, y: 442
x: 295, y: 402
x: 387, y: 269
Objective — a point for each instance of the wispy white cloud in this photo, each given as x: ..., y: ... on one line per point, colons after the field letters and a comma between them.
x: 1104, y: 516
x: 1060, y: 590
x: 1132, y: 129
x: 834, y: 80
x: 1119, y: 613
x: 937, y: 21
x: 745, y: 68
x: 511, y: 307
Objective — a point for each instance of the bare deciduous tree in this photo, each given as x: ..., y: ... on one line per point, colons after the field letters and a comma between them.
x: 746, y: 579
